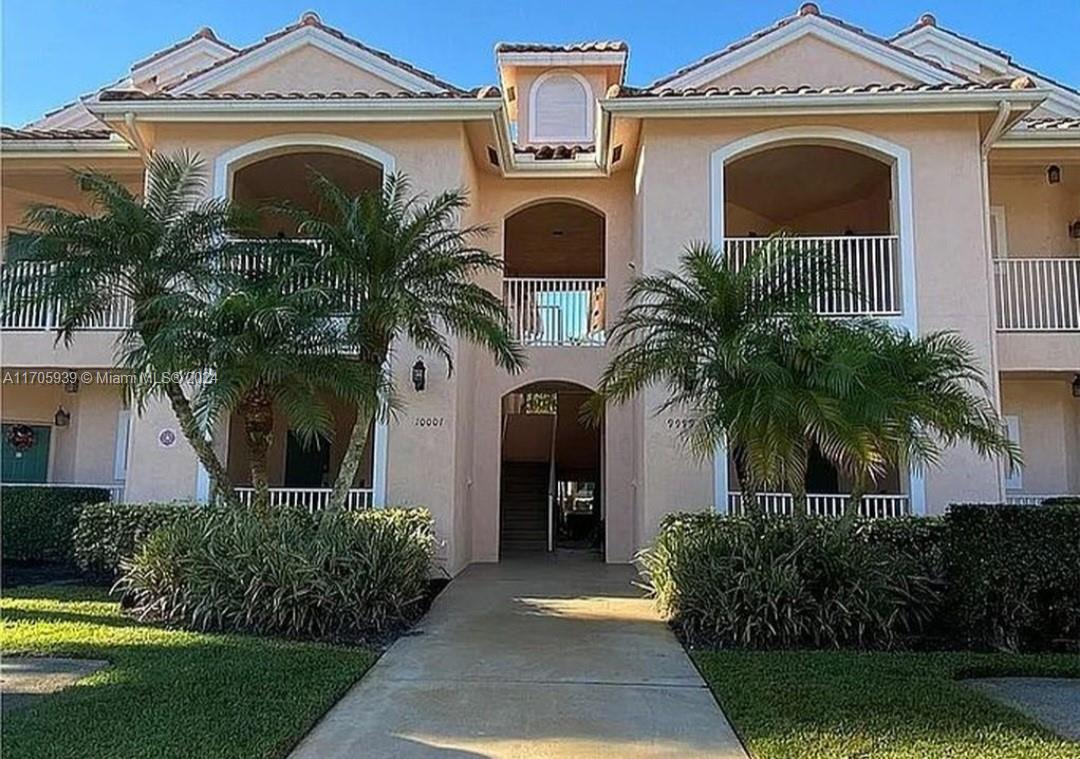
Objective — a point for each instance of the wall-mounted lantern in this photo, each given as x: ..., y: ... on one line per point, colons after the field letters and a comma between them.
x: 1074, y: 230
x: 1076, y: 386
x: 1053, y: 174
x: 61, y: 418
x: 419, y: 375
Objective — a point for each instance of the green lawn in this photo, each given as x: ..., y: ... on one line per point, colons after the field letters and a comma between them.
x: 167, y: 693
x: 810, y: 705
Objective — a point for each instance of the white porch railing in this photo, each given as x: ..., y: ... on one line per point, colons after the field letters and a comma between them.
x: 44, y: 316
x: 826, y: 505
x: 312, y: 499
x: 1038, y: 294
x: 116, y: 492
x: 551, y: 312
x: 870, y: 262
x: 1035, y: 499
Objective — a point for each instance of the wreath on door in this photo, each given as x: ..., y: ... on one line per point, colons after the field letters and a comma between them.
x: 21, y: 437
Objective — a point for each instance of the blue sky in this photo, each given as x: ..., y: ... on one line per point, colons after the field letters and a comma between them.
x: 55, y: 50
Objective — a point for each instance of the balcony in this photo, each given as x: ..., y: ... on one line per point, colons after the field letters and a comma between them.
x: 1038, y: 294
x: 826, y: 505
x: 39, y: 317
x: 549, y: 312
x: 870, y: 262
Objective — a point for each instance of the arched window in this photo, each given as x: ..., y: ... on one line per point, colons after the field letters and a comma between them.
x: 560, y: 108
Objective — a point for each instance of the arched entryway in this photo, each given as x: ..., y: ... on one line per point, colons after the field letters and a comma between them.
x: 551, y: 484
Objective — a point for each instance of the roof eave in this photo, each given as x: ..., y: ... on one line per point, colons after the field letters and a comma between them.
x: 300, y: 109
x: 676, y: 106
x: 53, y: 148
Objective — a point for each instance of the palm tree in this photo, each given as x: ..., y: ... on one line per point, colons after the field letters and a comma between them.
x: 911, y: 397
x: 269, y: 336
x: 708, y: 333
x: 404, y: 268
x: 132, y: 249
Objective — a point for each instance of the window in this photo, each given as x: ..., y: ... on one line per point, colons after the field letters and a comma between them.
x: 1013, y: 475
x: 15, y: 244
x: 999, y: 238
x: 560, y: 108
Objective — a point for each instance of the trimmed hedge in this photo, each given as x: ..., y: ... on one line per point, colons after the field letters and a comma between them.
x: 785, y: 583
x: 285, y: 571
x: 982, y: 575
x: 108, y: 533
x: 1013, y: 574
x: 38, y: 522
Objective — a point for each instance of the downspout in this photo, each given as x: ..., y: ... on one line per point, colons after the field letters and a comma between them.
x: 136, y: 136
x: 997, y: 128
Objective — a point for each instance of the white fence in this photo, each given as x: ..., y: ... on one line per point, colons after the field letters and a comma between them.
x: 1038, y: 294
x: 116, y: 492
x: 826, y: 505
x: 312, y: 499
x: 17, y: 314
x: 870, y: 263
x: 550, y: 312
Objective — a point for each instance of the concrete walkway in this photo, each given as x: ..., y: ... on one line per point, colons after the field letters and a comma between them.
x: 531, y: 658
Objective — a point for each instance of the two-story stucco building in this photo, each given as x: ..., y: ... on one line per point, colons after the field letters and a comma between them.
x: 945, y: 174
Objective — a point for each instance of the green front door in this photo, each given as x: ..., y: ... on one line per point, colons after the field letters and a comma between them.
x: 25, y: 464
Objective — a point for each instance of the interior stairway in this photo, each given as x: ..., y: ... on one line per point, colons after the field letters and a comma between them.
x: 524, y: 507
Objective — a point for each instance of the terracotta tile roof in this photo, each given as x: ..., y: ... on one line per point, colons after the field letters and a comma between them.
x: 313, y: 20
x: 595, y: 46
x: 205, y: 33
x: 135, y: 95
x: 9, y: 133
x: 1050, y: 124
x: 553, y: 152
x: 861, y: 89
x: 807, y: 9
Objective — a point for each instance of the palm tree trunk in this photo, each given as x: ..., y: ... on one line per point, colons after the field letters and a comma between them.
x: 220, y: 486
x: 350, y: 462
x: 858, y: 490
x: 257, y: 411
x: 800, y: 505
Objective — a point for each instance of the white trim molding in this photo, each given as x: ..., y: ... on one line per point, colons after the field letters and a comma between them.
x: 899, y: 61
x: 312, y: 36
x: 899, y: 158
x: 240, y: 155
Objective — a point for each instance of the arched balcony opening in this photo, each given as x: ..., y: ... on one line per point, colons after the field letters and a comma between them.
x: 832, y: 201
x: 554, y: 287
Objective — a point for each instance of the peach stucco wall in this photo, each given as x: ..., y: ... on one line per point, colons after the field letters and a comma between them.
x: 950, y: 260
x: 810, y: 61
x: 597, y: 77
x: 1037, y: 213
x: 1049, y: 431
x: 307, y: 69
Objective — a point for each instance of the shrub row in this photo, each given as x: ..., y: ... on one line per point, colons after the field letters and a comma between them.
x: 37, y: 522
x: 107, y: 533
x: 987, y: 576
x: 1013, y: 573
x: 286, y: 572
x: 784, y: 583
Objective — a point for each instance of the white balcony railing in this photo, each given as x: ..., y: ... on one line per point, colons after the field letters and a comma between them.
x: 20, y: 316
x: 871, y: 264
x: 551, y: 312
x: 116, y: 491
x: 826, y: 505
x: 1038, y: 294
x: 312, y: 499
